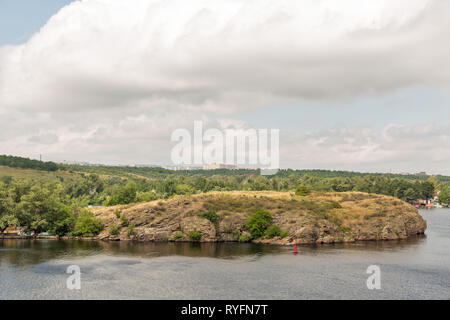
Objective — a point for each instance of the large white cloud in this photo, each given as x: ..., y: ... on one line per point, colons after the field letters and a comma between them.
x: 208, y: 54
x: 396, y: 148
x: 104, y: 77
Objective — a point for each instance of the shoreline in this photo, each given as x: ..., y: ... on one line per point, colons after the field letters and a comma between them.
x: 276, y: 242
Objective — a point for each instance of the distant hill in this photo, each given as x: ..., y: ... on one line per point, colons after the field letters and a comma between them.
x: 161, y: 173
x: 25, y: 163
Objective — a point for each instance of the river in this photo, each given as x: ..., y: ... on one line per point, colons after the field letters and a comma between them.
x: 417, y: 268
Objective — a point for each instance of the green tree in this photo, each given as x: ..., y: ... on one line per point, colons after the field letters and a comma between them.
x: 123, y: 195
x: 258, y: 223
x: 444, y: 194
x: 87, y: 225
x: 302, y: 190
x: 6, y: 221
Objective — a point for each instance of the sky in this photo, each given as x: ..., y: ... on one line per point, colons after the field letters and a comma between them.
x: 352, y: 84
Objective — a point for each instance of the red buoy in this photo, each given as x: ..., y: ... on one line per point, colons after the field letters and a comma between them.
x: 295, y: 249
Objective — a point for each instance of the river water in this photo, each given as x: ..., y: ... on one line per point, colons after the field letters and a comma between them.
x: 417, y: 268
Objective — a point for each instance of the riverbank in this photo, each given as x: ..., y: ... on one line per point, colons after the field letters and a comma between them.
x: 315, y: 218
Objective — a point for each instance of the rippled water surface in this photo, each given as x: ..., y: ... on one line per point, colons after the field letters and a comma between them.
x: 417, y: 268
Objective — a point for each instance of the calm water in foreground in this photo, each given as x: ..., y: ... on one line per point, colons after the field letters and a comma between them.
x: 418, y: 268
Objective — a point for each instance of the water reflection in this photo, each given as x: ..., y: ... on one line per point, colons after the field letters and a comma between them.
x: 32, y: 252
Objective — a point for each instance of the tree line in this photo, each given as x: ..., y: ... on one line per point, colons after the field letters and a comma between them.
x: 59, y: 205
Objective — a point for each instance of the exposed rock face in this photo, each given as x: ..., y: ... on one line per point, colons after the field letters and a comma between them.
x: 316, y: 218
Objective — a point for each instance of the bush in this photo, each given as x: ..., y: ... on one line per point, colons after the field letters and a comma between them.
x: 131, y: 230
x: 302, y: 190
x: 195, y: 235
x: 284, y: 234
x: 117, y: 213
x: 258, y: 223
x: 178, y: 235
x: 272, y: 232
x: 245, y: 238
x: 113, y: 229
x: 123, y: 195
x: 211, y: 216
x: 123, y: 221
x: 86, y: 225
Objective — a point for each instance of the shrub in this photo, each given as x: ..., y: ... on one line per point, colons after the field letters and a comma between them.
x: 302, y: 190
x: 195, y: 235
x: 272, y: 232
x: 131, y: 230
x: 86, y: 225
x: 123, y: 221
x: 117, y: 213
x: 284, y: 234
x: 178, y: 235
x: 258, y: 223
x: 345, y: 229
x: 211, y: 216
x: 123, y: 195
x: 184, y: 189
x: 245, y: 238
x: 113, y: 229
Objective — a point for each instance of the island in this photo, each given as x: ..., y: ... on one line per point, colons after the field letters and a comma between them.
x: 283, y: 218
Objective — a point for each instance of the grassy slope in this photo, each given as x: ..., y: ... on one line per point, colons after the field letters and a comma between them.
x: 18, y: 173
x: 319, y: 217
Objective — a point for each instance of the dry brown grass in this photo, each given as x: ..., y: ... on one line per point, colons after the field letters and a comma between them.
x: 338, y: 208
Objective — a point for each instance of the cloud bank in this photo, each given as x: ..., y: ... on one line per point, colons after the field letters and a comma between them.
x: 105, y: 77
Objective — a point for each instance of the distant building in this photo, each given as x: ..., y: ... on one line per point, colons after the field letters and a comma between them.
x: 178, y: 168
x: 146, y: 166
x: 214, y: 166
x: 421, y: 174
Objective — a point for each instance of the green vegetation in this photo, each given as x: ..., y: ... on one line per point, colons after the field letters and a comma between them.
x: 284, y: 234
x: 345, y: 229
x: 302, y: 190
x: 7, y: 220
x: 24, y: 163
x: 211, y: 216
x: 195, y: 235
x: 123, y: 195
x: 178, y: 235
x: 245, y: 238
x: 48, y: 197
x: 123, y: 221
x: 87, y: 226
x: 444, y: 194
x: 258, y: 223
x: 114, y: 229
x: 272, y: 232
x: 131, y: 230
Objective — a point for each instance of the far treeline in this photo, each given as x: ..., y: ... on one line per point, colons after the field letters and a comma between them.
x: 58, y: 204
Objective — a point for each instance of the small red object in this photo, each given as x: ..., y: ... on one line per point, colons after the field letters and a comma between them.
x: 295, y: 249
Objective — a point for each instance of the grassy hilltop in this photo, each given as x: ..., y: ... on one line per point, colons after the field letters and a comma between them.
x: 270, y: 217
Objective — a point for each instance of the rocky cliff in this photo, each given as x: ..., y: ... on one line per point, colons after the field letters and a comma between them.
x: 315, y: 218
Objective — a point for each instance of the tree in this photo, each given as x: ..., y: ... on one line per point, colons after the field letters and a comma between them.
x: 123, y: 195
x: 258, y: 223
x: 302, y: 190
x: 410, y: 194
x: 6, y: 221
x: 184, y: 189
x: 444, y: 194
x: 87, y: 225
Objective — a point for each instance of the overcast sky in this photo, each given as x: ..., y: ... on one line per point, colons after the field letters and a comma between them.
x: 351, y: 84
